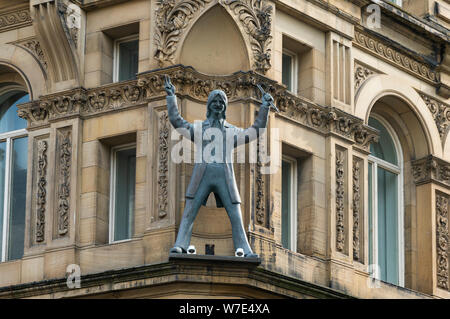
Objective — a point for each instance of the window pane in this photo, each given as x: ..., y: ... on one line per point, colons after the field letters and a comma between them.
x: 128, y: 60
x: 287, y: 71
x: 370, y: 214
x: 385, y: 148
x: 124, y: 193
x: 286, y: 204
x: 9, y: 121
x: 2, y: 190
x: 388, y: 225
x: 18, y: 198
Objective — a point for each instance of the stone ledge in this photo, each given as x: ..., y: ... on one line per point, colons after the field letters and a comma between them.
x: 216, y: 259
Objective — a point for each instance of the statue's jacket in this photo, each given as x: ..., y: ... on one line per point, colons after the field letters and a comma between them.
x: 240, y: 136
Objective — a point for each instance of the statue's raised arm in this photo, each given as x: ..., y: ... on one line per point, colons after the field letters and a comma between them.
x: 172, y: 108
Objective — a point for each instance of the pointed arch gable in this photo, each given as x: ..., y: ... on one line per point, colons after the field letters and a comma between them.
x: 382, y: 85
x: 214, y: 44
x: 26, y: 66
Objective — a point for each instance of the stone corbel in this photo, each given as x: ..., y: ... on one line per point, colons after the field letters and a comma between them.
x: 56, y: 22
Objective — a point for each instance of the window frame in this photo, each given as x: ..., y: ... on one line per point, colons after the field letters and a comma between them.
x: 8, y: 138
x: 116, y: 53
x: 294, y: 69
x: 112, y: 190
x: 398, y: 170
x: 293, y: 196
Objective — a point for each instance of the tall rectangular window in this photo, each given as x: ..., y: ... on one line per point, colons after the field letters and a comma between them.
x: 289, y: 70
x: 289, y: 203
x: 13, y: 176
x: 126, y: 58
x: 123, y: 180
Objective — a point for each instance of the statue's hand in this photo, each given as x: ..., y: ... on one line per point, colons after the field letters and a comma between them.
x: 168, y: 86
x: 267, y: 99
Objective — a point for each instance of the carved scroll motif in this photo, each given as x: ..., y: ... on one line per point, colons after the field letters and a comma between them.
x: 41, y: 190
x: 34, y: 47
x: 356, y: 210
x: 163, y: 163
x: 442, y: 237
x: 394, y: 56
x: 440, y: 112
x: 15, y: 19
x: 63, y: 195
x: 340, y: 192
x: 171, y: 19
x: 361, y: 74
x: 256, y: 17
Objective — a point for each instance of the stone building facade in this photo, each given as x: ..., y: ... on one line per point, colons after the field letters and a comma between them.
x: 358, y: 201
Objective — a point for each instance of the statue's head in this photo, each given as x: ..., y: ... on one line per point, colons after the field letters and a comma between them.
x: 217, y: 103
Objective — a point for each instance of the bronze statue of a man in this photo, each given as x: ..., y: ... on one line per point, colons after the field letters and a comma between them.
x: 215, y: 174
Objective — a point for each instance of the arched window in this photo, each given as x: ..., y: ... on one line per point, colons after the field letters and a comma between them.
x: 386, y: 244
x: 13, y: 172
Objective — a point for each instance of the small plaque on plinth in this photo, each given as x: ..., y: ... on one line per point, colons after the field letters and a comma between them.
x: 220, y: 259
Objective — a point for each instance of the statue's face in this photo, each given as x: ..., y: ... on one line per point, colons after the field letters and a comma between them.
x: 217, y: 105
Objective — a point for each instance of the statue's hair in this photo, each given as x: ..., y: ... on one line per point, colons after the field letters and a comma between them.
x: 211, y: 97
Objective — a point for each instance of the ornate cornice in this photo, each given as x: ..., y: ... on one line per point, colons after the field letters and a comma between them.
x: 440, y: 112
x: 431, y: 169
x: 378, y: 47
x: 15, y: 19
x: 240, y: 86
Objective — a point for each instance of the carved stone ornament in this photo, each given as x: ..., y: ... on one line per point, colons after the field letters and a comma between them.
x: 259, y: 180
x: 394, y: 56
x: 340, y: 193
x: 440, y: 112
x: 41, y: 196
x: 15, y: 19
x: 442, y: 244
x: 63, y: 195
x: 34, y: 47
x: 71, y: 20
x: 431, y: 169
x: 172, y: 17
x: 163, y: 165
x: 256, y: 17
x: 362, y: 73
x: 240, y: 86
x: 356, y: 210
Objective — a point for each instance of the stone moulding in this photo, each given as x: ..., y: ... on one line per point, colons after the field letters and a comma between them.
x: 173, y: 16
x: 442, y: 244
x: 340, y: 197
x: 15, y: 19
x: 356, y: 209
x: 41, y: 195
x: 259, y: 181
x: 431, y: 169
x: 379, y: 48
x: 240, y: 86
x: 163, y: 165
x: 64, y: 158
x: 440, y: 112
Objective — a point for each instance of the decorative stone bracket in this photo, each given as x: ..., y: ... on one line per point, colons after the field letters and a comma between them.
x: 57, y: 21
x: 173, y: 17
x: 431, y: 169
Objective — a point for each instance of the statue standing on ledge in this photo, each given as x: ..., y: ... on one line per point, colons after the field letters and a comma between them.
x: 215, y: 174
